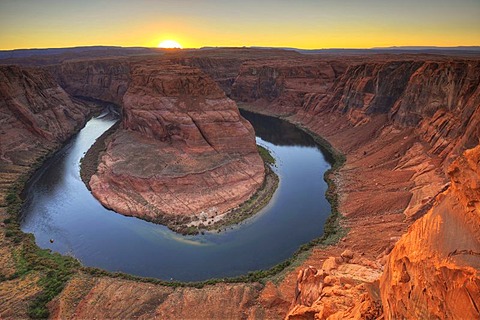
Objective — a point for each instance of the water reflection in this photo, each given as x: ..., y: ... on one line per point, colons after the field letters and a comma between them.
x: 58, y: 206
x: 277, y: 131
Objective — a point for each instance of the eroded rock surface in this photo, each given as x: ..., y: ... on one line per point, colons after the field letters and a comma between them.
x: 401, y: 121
x: 104, y: 79
x: 183, y: 149
x: 36, y: 116
x: 330, y: 292
x: 434, y: 270
x: 34, y: 106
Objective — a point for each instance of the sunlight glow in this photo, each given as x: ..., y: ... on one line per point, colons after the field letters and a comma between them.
x: 169, y: 44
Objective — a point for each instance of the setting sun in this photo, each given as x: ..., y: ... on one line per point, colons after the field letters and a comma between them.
x: 169, y: 44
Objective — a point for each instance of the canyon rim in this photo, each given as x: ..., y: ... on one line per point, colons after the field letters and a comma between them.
x: 406, y: 125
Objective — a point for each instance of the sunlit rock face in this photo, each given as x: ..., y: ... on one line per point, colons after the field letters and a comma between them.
x: 401, y: 124
x: 183, y: 149
x: 434, y: 270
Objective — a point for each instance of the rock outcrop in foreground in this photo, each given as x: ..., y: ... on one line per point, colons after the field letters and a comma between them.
x: 434, y: 270
x: 401, y: 123
x: 183, y: 151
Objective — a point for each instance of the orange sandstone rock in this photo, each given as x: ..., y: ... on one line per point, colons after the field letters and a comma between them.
x: 183, y: 149
x: 434, y: 270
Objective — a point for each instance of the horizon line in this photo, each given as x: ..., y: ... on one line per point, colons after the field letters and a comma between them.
x: 406, y: 47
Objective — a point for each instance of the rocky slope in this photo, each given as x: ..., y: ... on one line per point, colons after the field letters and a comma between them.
x: 434, y: 270
x: 429, y: 113
x: 438, y: 100
x: 105, y: 79
x: 183, y: 151
x: 400, y: 122
x: 281, y: 86
x: 36, y: 117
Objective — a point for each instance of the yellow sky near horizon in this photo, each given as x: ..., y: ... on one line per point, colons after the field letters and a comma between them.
x: 308, y: 24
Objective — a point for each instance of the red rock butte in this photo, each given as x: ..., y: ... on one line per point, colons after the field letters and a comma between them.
x: 182, y: 149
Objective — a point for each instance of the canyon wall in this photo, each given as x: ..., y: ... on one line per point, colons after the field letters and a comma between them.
x: 433, y: 108
x: 36, y: 117
x: 281, y: 86
x: 434, y: 269
x: 223, y: 70
x: 401, y: 123
x: 105, y: 80
x: 411, y: 217
x: 183, y: 149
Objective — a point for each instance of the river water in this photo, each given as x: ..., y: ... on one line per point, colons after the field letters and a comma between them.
x: 58, y: 206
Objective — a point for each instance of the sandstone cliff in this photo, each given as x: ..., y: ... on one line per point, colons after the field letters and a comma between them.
x: 183, y: 149
x: 439, y: 101
x: 36, y: 116
x: 105, y: 79
x: 434, y: 270
x: 281, y: 86
x: 38, y: 103
x: 401, y: 122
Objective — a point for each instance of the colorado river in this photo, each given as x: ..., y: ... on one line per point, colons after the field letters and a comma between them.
x: 58, y: 206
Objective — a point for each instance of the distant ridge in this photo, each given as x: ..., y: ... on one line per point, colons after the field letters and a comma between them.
x: 112, y: 50
x: 50, y: 56
x: 463, y: 50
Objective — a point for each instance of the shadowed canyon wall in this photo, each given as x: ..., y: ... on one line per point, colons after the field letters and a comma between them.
x: 105, y: 80
x: 36, y: 117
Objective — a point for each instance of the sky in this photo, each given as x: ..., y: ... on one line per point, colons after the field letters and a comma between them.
x: 308, y: 24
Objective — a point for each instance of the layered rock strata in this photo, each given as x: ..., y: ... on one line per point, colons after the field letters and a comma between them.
x: 401, y: 123
x: 36, y: 117
x: 105, y: 80
x: 396, y: 157
x: 434, y: 270
x: 183, y: 151
x: 281, y: 86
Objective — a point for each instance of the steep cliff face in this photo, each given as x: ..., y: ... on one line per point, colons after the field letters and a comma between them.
x: 223, y: 70
x: 36, y: 114
x: 183, y: 149
x: 434, y: 270
x: 400, y: 122
x: 105, y: 80
x: 442, y: 100
x: 283, y: 85
x: 439, y: 99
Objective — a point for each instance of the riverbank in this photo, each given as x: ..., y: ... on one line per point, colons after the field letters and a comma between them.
x: 267, y: 293
x: 29, y: 275
x: 201, y: 223
x: 261, y: 275
x: 246, y: 210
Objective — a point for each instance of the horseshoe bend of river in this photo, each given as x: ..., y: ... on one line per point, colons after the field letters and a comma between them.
x: 58, y: 206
